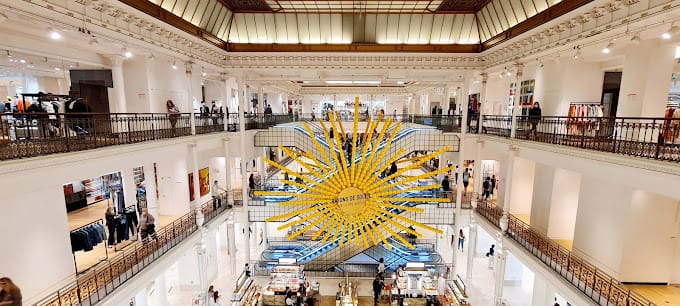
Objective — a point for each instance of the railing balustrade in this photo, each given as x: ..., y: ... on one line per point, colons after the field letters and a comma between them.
x: 594, y: 283
x: 95, y: 284
x: 653, y: 138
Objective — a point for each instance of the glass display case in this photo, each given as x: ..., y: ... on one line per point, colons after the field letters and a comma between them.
x: 282, y: 276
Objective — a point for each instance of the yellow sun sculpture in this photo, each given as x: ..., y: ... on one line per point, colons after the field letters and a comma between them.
x: 349, y: 200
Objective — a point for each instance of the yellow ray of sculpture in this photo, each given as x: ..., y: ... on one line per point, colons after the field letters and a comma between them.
x: 348, y: 201
x: 317, y: 145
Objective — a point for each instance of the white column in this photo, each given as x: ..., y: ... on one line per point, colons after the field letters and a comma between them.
x: 260, y: 99
x: 261, y: 167
x: 160, y: 291
x: 227, y: 171
x: 445, y: 100
x: 231, y: 245
x: 499, y: 275
x: 201, y: 258
x: 472, y: 246
x: 644, y: 82
x: 477, y: 173
x: 248, y: 107
x: 482, y: 100
x: 508, y: 188
x: 150, y: 185
x: 461, y: 159
x: 118, y: 83
x: 515, y: 108
x: 226, y: 97
x: 193, y: 155
x: 188, y: 67
x: 454, y: 251
x: 244, y: 174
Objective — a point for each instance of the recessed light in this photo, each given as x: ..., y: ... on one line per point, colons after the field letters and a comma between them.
x: 54, y: 34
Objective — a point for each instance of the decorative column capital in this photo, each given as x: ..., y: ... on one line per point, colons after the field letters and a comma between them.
x: 116, y: 60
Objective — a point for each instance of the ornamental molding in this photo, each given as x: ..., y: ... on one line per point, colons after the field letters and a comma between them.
x: 118, y: 22
x: 354, y: 61
x: 594, y: 24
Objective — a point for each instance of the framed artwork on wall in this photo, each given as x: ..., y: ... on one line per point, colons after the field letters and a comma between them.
x: 204, y: 181
x: 192, y: 196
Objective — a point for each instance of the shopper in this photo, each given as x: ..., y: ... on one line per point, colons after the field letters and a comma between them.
x: 381, y: 266
x: 466, y: 179
x: 173, y: 115
x: 534, y: 117
x: 486, y: 186
x: 393, y: 168
x: 461, y: 239
x: 215, y: 192
x: 377, y: 288
x: 290, y: 299
x: 147, y: 226
x: 110, y: 219
x: 10, y: 295
x: 446, y: 186
x: 493, y: 185
x: 490, y: 256
x: 251, y: 185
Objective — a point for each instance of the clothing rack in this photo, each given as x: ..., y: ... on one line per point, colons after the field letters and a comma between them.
x: 100, y: 221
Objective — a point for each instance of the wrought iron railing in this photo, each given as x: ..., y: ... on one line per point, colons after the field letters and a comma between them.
x: 35, y: 134
x: 654, y: 138
x: 593, y: 282
x: 95, y: 284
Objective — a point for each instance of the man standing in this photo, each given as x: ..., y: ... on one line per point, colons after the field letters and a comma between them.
x: 215, y: 192
x: 377, y: 288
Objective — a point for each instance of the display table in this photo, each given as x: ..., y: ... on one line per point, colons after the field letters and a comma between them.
x: 245, y: 293
x: 282, y: 277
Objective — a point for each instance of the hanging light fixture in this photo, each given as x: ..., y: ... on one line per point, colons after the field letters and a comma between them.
x: 126, y: 52
x: 174, y: 65
x: 608, y: 47
x: 578, y: 52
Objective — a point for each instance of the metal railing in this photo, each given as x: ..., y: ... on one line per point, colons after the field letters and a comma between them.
x: 654, y: 138
x: 594, y: 283
x: 95, y: 284
x: 35, y: 134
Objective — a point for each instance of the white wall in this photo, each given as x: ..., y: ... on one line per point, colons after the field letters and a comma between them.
x: 568, y: 80
x: 649, y: 247
x: 522, y: 186
x: 542, y: 197
x: 564, y: 204
x: 165, y: 84
x: 645, y: 81
x: 496, y: 96
x: 135, y: 74
x: 601, y: 221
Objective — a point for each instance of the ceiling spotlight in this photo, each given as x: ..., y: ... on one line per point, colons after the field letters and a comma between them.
x: 607, y: 48
x: 30, y: 65
x: 8, y: 54
x: 23, y: 61
x: 666, y: 35
x: 174, y: 65
x: 126, y: 52
x: 636, y: 39
x: 57, y: 68
x: 54, y: 34
x: 204, y: 74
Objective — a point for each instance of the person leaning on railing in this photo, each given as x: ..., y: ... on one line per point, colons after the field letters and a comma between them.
x: 174, y: 114
x: 10, y: 295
